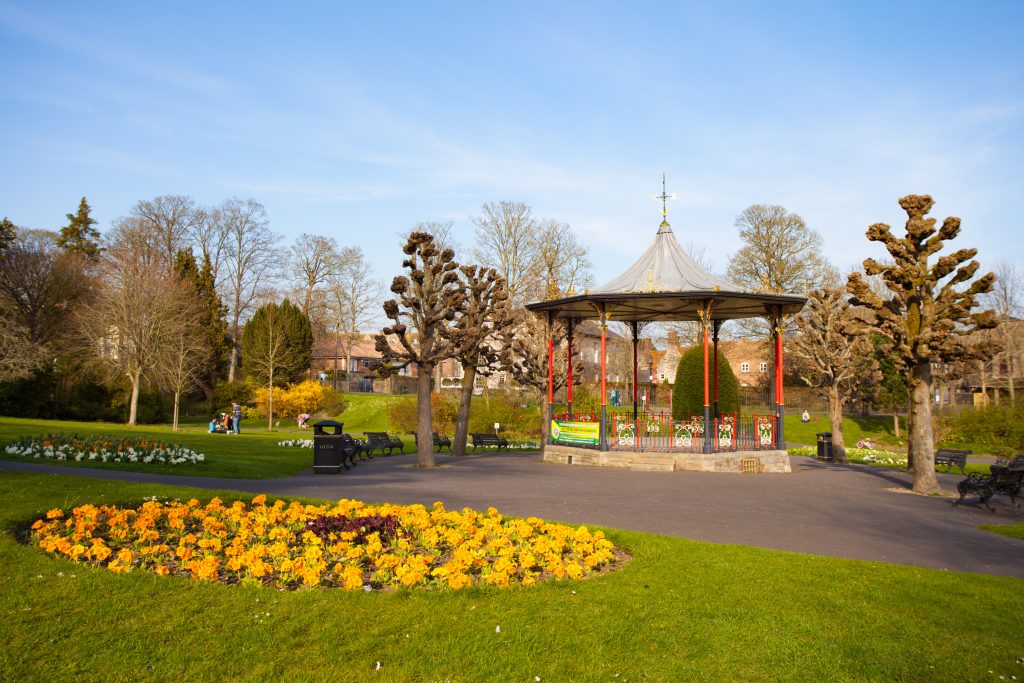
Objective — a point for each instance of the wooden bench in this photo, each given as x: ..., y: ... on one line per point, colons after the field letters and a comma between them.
x: 384, y: 442
x: 439, y: 441
x: 1004, y: 478
x: 951, y: 458
x: 488, y: 440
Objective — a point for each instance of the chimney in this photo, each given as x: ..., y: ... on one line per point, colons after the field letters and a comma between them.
x: 673, y: 339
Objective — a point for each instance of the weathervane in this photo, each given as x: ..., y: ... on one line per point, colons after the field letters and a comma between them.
x: 664, y: 197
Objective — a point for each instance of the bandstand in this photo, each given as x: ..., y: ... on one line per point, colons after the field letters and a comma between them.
x: 666, y: 284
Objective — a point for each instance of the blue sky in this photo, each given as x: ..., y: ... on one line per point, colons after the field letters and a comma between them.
x: 357, y: 120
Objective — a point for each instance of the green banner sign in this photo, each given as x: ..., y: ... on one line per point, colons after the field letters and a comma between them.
x: 587, y: 433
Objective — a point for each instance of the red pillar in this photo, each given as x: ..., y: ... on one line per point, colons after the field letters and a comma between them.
x: 551, y: 370
x: 705, y: 324
x: 569, y: 387
x: 716, y: 367
x: 779, y: 400
x: 604, y: 388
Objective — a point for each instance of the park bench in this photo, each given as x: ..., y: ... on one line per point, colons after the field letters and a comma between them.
x: 1004, y: 478
x: 487, y: 440
x: 439, y: 441
x: 951, y: 458
x: 350, y: 448
x: 383, y: 441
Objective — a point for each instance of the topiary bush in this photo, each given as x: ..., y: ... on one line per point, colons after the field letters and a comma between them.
x: 688, y: 390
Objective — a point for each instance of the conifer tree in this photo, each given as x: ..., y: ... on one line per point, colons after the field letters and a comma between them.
x: 277, y: 346
x: 7, y: 233
x: 928, y: 319
x: 79, y: 236
x: 215, y: 327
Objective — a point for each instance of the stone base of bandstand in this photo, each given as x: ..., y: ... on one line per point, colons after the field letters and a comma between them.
x: 655, y: 461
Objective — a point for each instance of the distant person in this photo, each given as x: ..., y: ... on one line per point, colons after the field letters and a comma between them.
x: 213, y: 424
x: 236, y: 413
x: 806, y: 417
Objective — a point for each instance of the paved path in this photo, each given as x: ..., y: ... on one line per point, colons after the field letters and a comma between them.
x: 840, y: 511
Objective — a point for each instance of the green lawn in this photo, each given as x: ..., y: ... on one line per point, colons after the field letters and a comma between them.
x: 680, y: 610
x: 878, y: 428
x: 1011, y: 530
x: 253, y: 454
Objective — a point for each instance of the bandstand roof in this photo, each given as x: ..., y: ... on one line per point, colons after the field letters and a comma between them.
x: 664, y: 284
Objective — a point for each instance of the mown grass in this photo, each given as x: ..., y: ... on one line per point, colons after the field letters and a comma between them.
x: 253, y: 454
x: 1011, y: 530
x: 680, y: 610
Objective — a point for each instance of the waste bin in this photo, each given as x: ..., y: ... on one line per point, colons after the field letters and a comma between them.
x: 825, y: 446
x: 328, y: 447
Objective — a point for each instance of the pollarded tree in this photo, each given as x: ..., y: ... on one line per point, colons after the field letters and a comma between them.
x: 277, y: 345
x: 429, y: 301
x: 928, y: 319
x: 833, y: 355
x: 483, y: 320
x: 524, y: 354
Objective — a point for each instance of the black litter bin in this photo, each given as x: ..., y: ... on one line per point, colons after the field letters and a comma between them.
x: 825, y: 446
x: 328, y: 447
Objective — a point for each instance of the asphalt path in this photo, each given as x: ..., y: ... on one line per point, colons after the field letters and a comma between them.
x: 849, y: 511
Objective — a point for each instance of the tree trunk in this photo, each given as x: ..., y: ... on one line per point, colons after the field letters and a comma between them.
x: 835, y: 417
x: 424, y: 425
x: 177, y: 402
x: 133, y: 408
x: 462, y: 417
x: 896, y: 424
x: 348, y: 369
x: 270, y: 403
x: 921, y: 440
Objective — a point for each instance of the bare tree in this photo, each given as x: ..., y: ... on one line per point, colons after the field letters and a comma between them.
x: 251, y: 257
x: 429, y: 300
x: 354, y: 300
x: 524, y: 354
x: 780, y: 254
x: 927, y: 319
x: 835, y: 356
x: 134, y: 316
x: 506, y: 240
x: 169, y: 219
x: 19, y: 356
x: 312, y: 260
x: 209, y: 232
x: 562, y: 261
x: 483, y: 320
x: 40, y: 286
x: 1006, y: 299
x: 182, y: 363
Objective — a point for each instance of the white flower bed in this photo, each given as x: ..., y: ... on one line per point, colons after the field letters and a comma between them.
x: 296, y: 443
x: 91, y: 449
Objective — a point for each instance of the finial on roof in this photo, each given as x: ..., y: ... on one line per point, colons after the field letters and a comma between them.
x: 664, y: 196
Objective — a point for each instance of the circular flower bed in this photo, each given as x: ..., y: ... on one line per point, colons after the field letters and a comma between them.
x: 348, y: 545
x: 103, y: 449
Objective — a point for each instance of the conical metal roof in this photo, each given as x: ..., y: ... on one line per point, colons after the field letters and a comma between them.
x: 666, y: 267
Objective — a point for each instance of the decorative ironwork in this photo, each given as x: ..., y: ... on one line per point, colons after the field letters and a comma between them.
x: 726, y: 432
x: 765, y: 431
x: 624, y: 432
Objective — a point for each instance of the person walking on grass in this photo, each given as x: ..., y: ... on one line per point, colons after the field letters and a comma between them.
x: 236, y: 414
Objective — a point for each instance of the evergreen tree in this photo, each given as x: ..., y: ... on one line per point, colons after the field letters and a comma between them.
x: 7, y: 233
x: 688, y: 390
x: 79, y: 236
x: 276, y: 347
x: 213, y: 317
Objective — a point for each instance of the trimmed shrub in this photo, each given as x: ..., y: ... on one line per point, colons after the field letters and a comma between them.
x: 688, y: 390
x: 227, y: 392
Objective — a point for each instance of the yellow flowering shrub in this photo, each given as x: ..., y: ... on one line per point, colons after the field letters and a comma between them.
x: 347, y: 545
x: 295, y: 399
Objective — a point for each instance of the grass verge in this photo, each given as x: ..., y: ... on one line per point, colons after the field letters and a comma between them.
x: 681, y: 610
x: 1011, y: 530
